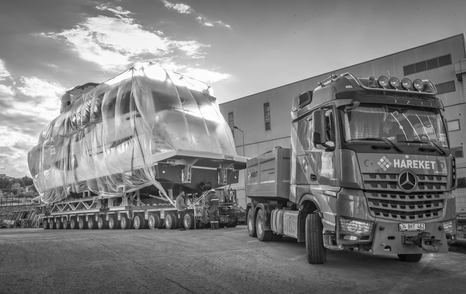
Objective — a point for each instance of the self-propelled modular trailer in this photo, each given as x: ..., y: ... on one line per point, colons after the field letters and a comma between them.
x: 369, y: 169
x: 120, y: 152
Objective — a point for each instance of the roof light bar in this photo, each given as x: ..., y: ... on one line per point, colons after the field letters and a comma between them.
x: 407, y: 84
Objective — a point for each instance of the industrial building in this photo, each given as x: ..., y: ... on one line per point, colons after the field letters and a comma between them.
x: 262, y: 121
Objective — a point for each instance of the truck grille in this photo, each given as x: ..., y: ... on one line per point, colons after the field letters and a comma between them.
x: 387, y: 200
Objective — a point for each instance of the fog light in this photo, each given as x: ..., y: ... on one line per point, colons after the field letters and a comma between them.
x: 383, y: 81
x: 394, y: 82
x: 407, y: 84
x: 418, y: 85
x: 355, y: 227
x: 449, y: 227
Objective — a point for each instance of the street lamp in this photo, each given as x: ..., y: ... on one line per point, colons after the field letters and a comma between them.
x: 242, y: 135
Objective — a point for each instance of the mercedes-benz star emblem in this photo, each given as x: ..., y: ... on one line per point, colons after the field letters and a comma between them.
x: 407, y: 181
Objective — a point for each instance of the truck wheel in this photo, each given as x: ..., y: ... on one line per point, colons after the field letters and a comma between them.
x: 58, y: 224
x: 170, y: 221
x: 81, y: 224
x: 101, y: 223
x: 410, y: 257
x: 138, y: 222
x: 315, y: 250
x: 124, y: 222
x: 90, y: 223
x: 251, y: 223
x: 112, y: 224
x: 188, y: 221
x: 65, y: 224
x: 72, y: 223
x: 262, y: 234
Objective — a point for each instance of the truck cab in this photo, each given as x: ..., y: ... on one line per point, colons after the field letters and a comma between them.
x: 370, y: 169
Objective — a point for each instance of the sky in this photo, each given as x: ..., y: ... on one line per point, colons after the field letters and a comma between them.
x: 239, y: 47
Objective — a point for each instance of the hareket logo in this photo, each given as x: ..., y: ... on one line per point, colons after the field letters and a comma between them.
x: 385, y: 163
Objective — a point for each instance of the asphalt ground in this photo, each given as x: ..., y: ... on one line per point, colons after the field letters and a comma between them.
x: 205, y: 261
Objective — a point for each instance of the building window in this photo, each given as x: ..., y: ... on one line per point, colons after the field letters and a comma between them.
x: 446, y: 87
x: 453, y: 125
x: 427, y: 64
x: 231, y: 120
x: 267, y: 116
x: 461, y: 183
x: 457, y: 151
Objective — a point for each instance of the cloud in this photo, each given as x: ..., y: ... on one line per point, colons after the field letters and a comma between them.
x: 4, y: 73
x: 205, y: 75
x: 28, y: 104
x: 115, y: 41
x: 179, y: 7
x: 200, y: 18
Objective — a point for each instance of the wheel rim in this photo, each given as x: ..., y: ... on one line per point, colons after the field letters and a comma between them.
x: 100, y: 223
x: 250, y: 222
x: 187, y: 221
x: 111, y: 223
x: 151, y: 222
x: 259, y: 226
x: 72, y: 224
x: 137, y: 222
x: 168, y: 221
x: 123, y: 222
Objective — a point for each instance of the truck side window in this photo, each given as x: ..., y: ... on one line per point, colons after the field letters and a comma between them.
x: 329, y: 125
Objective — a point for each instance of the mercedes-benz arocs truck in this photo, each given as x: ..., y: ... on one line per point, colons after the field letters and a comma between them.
x: 369, y: 169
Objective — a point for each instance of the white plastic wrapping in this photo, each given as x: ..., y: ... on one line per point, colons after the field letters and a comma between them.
x: 108, y: 139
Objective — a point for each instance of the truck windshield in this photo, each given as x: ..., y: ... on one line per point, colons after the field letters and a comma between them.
x: 397, y: 124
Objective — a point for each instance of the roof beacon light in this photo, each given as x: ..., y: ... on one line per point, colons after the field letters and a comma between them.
x: 383, y: 81
x: 394, y: 82
x: 407, y: 84
x: 418, y: 85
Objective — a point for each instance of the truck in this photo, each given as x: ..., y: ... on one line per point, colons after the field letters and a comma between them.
x: 122, y: 150
x: 369, y: 169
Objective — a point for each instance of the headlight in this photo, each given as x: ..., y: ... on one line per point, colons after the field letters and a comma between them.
x: 449, y: 227
x: 356, y: 227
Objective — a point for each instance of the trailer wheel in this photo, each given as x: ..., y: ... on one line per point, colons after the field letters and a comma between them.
x: 81, y: 224
x: 101, y: 223
x: 45, y: 224
x: 410, y: 257
x: 170, y: 221
x: 112, y: 224
x: 72, y: 223
x: 58, y: 224
x: 124, y: 222
x: 262, y: 234
x: 188, y: 221
x: 251, y: 223
x: 315, y: 250
x: 138, y: 222
x: 90, y: 223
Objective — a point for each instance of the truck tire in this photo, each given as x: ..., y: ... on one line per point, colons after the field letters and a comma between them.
x: 170, y: 221
x: 72, y: 223
x: 45, y: 224
x: 112, y: 224
x: 410, y: 257
x: 124, y: 222
x: 65, y: 224
x: 315, y: 250
x: 138, y: 222
x: 188, y: 221
x: 91, y: 223
x: 262, y: 234
x: 251, y: 223
x: 101, y: 223
x: 58, y: 224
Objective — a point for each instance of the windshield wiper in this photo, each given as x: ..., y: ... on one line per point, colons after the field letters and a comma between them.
x: 387, y: 141
x: 431, y: 143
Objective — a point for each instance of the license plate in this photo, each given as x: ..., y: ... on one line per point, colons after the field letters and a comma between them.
x: 412, y: 227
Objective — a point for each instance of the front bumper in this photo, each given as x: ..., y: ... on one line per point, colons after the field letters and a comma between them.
x: 389, y: 240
